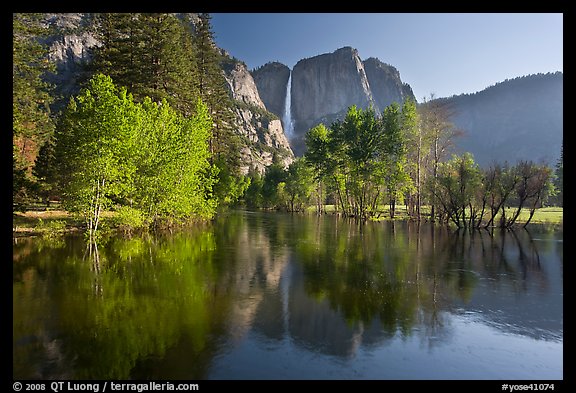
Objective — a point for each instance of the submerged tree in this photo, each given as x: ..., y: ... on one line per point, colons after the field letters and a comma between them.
x: 455, y: 190
x: 440, y: 133
x: 534, y: 186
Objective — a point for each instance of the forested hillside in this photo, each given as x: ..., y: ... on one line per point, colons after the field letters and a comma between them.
x: 518, y: 119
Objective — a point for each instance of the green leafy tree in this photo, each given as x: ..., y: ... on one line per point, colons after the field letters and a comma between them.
x: 230, y: 186
x: 111, y: 151
x: 275, y: 174
x: 95, y: 148
x: 319, y: 152
x: 173, y: 179
x: 416, y: 149
x: 456, y: 188
x: 356, y: 147
x: 253, y: 195
x: 533, y: 188
x: 500, y: 180
x: 396, y: 177
x: 440, y: 133
x: 298, y: 186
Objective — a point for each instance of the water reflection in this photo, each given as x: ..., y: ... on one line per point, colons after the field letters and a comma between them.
x: 253, y: 295
x: 104, y: 312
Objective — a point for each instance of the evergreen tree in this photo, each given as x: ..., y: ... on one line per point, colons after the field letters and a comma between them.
x: 225, y: 143
x: 559, y: 174
x: 151, y: 55
x: 32, y: 125
x: 214, y: 92
x: 45, y: 172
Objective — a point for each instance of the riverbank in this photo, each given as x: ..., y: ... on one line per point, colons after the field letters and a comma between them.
x: 41, y: 221
x: 51, y: 221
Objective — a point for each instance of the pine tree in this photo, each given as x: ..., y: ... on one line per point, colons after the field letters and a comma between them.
x: 559, y: 172
x: 31, y: 121
x: 151, y: 55
x: 213, y: 90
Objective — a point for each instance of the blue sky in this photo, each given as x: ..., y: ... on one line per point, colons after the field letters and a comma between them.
x: 444, y: 54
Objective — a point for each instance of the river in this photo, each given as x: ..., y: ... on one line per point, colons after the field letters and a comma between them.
x: 258, y: 295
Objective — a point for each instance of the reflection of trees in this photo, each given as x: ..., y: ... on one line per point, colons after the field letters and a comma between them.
x: 159, y: 307
x: 408, y: 275
x: 365, y: 273
x: 127, y: 303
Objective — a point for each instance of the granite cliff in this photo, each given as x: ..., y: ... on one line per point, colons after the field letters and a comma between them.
x: 271, y: 80
x: 325, y: 86
x: 260, y: 130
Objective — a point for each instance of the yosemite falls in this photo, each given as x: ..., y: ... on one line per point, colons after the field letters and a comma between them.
x: 287, y: 117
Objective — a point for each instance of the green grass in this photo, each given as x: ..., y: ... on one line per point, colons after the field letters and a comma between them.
x: 546, y: 215
x: 39, y: 220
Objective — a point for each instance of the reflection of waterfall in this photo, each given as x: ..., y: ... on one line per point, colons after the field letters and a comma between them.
x: 287, y: 118
x: 284, y: 293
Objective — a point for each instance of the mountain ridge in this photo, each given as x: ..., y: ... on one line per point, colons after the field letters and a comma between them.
x: 516, y: 119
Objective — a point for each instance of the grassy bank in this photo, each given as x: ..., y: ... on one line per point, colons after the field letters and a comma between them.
x: 546, y: 215
x: 42, y: 221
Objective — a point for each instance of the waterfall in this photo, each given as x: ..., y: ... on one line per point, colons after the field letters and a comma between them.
x: 287, y: 118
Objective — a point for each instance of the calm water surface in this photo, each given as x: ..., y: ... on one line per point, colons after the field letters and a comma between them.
x: 277, y: 296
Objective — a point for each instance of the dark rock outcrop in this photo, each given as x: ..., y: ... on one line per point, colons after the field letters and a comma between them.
x: 271, y: 80
x: 327, y: 84
x: 385, y: 83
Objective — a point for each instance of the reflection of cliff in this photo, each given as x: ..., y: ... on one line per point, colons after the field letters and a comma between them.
x: 316, y: 326
x: 165, y: 307
x: 255, y: 276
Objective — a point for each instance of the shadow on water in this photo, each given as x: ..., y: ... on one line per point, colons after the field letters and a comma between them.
x: 180, y: 306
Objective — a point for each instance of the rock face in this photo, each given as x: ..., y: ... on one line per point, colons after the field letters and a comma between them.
x: 328, y: 84
x: 70, y: 51
x: 325, y: 86
x: 261, y: 130
x: 242, y: 85
x: 271, y: 80
x: 385, y: 83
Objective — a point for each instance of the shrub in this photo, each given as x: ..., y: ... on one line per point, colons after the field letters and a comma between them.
x: 128, y: 219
